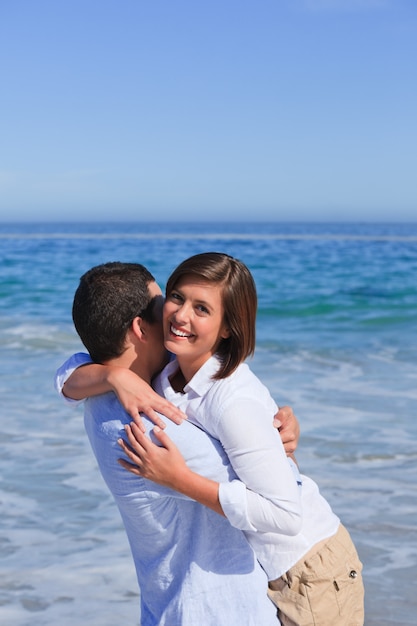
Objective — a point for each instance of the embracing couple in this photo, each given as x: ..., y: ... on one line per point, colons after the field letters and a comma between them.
x: 223, y: 528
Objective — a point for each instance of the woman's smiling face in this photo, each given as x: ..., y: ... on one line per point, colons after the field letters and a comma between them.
x: 193, y: 322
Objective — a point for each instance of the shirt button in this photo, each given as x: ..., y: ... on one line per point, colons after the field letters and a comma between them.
x: 353, y: 574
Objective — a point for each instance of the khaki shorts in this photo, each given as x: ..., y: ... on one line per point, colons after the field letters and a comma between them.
x: 324, y: 588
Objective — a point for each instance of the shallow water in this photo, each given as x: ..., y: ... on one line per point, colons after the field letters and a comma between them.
x: 337, y: 339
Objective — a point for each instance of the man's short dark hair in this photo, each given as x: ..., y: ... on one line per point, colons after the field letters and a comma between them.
x: 107, y: 300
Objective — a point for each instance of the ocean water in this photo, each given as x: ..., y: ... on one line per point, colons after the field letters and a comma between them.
x: 337, y: 340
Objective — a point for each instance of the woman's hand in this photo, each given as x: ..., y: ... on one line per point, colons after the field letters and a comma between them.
x: 288, y: 428
x: 166, y: 466
x: 136, y: 396
x: 162, y: 464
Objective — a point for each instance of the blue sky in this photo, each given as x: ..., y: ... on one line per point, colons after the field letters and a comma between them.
x: 208, y: 110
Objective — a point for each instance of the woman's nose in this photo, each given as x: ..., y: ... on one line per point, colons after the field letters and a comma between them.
x: 182, y: 314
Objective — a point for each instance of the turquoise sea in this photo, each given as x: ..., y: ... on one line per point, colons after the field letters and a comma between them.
x: 337, y: 340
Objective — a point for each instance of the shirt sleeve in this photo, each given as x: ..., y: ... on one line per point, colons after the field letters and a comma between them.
x: 66, y: 369
x: 266, y: 496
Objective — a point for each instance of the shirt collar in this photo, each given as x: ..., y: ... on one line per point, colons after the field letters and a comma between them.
x: 200, y: 383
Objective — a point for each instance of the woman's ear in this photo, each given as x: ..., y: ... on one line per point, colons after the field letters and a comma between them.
x: 225, y: 334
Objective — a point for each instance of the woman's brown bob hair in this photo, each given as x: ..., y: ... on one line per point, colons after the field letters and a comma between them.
x: 239, y: 303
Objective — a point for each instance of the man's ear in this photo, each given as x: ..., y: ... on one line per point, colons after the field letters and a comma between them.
x: 137, y: 328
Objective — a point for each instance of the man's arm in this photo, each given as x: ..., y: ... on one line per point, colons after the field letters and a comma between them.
x: 288, y: 428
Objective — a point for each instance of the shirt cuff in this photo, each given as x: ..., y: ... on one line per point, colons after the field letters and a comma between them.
x: 233, y: 501
x: 65, y: 371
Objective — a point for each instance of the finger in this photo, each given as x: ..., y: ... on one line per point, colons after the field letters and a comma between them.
x: 136, y: 438
x: 175, y: 414
x: 137, y: 433
x: 155, y: 418
x: 132, y: 427
x: 124, y: 445
x: 163, y: 438
x: 170, y: 411
x: 134, y: 456
x: 133, y: 469
x: 283, y: 413
x: 134, y: 413
x: 287, y: 434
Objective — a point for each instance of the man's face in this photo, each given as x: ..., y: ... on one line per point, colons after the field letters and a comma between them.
x: 155, y: 330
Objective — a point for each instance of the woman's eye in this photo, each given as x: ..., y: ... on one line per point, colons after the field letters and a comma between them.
x: 175, y: 296
x: 202, y: 309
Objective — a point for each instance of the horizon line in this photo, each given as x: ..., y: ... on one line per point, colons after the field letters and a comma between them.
x: 223, y: 236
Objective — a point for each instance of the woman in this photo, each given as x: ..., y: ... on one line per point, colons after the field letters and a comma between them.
x: 209, y: 324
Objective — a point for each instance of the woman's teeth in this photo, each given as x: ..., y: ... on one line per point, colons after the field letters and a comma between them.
x: 179, y: 333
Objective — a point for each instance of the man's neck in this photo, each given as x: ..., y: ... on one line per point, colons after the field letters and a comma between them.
x: 133, y: 363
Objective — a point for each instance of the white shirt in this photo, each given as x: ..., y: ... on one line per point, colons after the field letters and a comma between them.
x: 192, y: 566
x: 266, y: 502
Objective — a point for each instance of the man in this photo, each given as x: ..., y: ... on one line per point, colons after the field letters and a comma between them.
x: 192, y: 566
